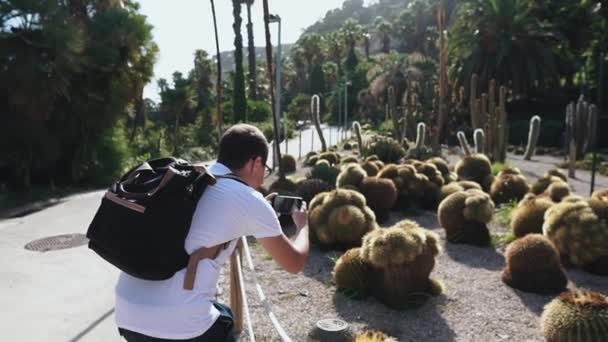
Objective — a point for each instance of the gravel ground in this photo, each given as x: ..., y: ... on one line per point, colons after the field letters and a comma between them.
x: 475, y: 306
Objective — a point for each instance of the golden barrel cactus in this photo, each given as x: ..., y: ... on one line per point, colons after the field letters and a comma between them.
x: 401, y: 258
x: 577, y: 232
x: 464, y: 215
x: 476, y: 168
x: 576, y: 316
x: 509, y: 185
x: 529, y: 215
x: 533, y: 265
x: 339, y: 219
x: 380, y: 194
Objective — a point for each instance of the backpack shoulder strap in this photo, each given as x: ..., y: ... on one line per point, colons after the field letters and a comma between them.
x: 233, y: 177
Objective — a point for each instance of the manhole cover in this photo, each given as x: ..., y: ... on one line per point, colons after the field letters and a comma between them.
x: 53, y: 243
x: 332, y: 325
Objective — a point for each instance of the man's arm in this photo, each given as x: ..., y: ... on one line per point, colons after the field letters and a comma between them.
x: 291, y: 255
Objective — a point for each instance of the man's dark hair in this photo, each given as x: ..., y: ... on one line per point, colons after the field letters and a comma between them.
x: 241, y: 143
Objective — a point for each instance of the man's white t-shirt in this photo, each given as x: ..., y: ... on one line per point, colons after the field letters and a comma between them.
x: 164, y: 309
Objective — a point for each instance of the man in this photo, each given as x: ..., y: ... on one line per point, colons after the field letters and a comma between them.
x: 166, y: 310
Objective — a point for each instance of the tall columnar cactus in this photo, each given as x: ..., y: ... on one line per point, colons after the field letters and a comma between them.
x: 581, y: 119
x: 314, y: 113
x: 475, y: 116
x: 479, y: 138
x: 421, y: 135
x: 533, y: 134
x: 486, y: 114
x: 357, y: 129
x: 576, y: 316
x: 392, y: 101
x: 464, y: 144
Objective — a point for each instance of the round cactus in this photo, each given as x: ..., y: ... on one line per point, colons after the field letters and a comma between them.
x: 476, y: 168
x: 372, y: 157
x: 558, y: 190
x: 432, y: 188
x: 380, y: 194
x: 601, y: 195
x: 322, y: 170
x: 332, y: 157
x: 309, y: 188
x: 464, y: 216
x: 349, y: 159
x: 370, y: 168
x: 453, y: 187
x: 577, y: 232
x: 508, y: 186
x: 387, y: 149
x: 350, y: 273
x: 373, y: 336
x: 288, y: 163
x: 311, y: 158
x: 529, y: 215
x: 533, y: 265
x: 443, y: 167
x: 401, y: 259
x: 339, y: 219
x: 351, y: 175
x: 409, y: 183
x: 576, y: 316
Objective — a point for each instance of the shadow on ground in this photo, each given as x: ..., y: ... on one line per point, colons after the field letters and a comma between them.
x: 421, y: 324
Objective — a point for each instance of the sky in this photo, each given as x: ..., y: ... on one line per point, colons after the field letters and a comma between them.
x: 182, y: 26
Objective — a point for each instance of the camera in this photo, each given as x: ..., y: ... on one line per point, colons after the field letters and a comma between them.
x: 285, y: 205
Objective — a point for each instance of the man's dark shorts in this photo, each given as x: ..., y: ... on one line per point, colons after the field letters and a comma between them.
x: 221, y: 330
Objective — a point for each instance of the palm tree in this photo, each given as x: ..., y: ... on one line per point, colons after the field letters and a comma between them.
x: 277, y: 150
x: 251, y: 53
x: 352, y: 31
x: 239, y: 102
x: 503, y: 40
x: 334, y: 48
x: 218, y: 83
x: 383, y: 28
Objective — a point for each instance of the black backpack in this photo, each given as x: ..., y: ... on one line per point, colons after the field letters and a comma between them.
x: 144, y: 218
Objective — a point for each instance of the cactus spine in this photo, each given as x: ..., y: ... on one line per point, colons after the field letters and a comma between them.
x: 357, y: 129
x: 464, y: 144
x: 314, y: 112
x: 421, y: 135
x: 533, y: 134
x: 479, y: 138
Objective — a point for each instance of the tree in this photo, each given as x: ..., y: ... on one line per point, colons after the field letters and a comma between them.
x: 383, y: 28
x: 218, y: 82
x: 503, y: 40
x: 334, y: 48
x: 251, y: 53
x: 239, y: 101
x: 70, y: 70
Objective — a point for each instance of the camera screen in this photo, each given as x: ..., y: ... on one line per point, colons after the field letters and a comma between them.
x: 285, y: 205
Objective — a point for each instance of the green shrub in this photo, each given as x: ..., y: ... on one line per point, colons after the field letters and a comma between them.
x: 258, y: 111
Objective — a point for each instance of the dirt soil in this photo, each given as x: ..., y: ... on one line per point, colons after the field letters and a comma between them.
x: 475, y: 306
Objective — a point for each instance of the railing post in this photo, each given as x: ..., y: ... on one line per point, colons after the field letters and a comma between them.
x: 236, y: 299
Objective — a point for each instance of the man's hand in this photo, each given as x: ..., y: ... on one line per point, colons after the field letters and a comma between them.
x: 300, y: 216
